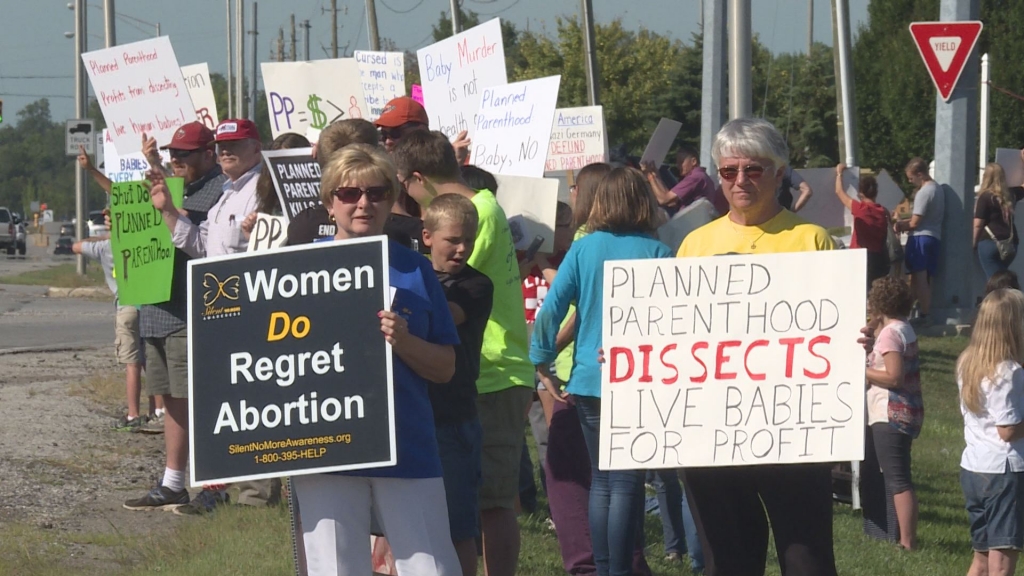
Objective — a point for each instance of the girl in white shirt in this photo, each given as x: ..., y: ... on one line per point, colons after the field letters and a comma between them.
x: 991, y: 383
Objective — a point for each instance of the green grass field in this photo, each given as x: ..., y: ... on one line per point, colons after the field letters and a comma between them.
x: 62, y: 276
x: 248, y: 542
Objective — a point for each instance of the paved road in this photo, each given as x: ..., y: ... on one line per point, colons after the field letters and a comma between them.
x: 29, y: 319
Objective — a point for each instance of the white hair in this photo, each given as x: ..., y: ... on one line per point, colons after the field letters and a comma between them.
x: 750, y: 138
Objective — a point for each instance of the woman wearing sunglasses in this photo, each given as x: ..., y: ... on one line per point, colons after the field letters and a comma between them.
x: 358, y: 187
x: 729, y: 503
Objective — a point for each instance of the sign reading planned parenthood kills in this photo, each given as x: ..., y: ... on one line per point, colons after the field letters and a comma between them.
x: 288, y: 371
x: 733, y: 360
x: 296, y: 177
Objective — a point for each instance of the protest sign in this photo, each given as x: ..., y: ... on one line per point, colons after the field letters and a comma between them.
x: 661, y: 141
x: 513, y: 127
x: 124, y: 167
x: 312, y: 94
x: 454, y: 73
x: 417, y: 93
x: 1013, y: 165
x: 303, y: 385
x: 577, y: 139
x: 140, y: 89
x: 268, y: 232
x: 383, y: 78
x: 697, y: 214
x: 823, y: 208
x: 200, y: 90
x: 141, y: 243
x: 531, y: 205
x: 733, y: 360
x: 296, y: 178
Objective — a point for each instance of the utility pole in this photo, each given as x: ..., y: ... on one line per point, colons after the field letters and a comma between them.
x: 239, y: 58
x: 740, y: 91
x: 255, y: 64
x: 80, y: 112
x: 231, y: 63
x: 108, y: 20
x: 334, y: 28
x: 280, y: 44
x: 956, y: 135
x: 983, y: 125
x: 840, y: 126
x: 294, y: 53
x: 305, y: 38
x: 456, y: 17
x: 713, y: 82
x: 846, y: 81
x: 590, y: 53
x: 810, y: 27
x: 371, y: 24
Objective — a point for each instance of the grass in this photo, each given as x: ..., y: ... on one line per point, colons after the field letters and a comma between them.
x: 245, y: 542
x: 62, y: 276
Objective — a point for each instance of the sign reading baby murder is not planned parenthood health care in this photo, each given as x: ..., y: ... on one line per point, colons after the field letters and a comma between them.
x: 303, y: 383
x: 733, y: 360
x: 141, y: 242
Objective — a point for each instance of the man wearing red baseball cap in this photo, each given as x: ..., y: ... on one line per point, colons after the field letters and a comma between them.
x: 403, y: 115
x: 164, y: 326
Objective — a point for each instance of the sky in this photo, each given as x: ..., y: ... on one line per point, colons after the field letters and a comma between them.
x: 37, y: 60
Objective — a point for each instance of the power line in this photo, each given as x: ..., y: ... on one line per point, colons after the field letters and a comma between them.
x: 503, y: 10
x: 10, y: 95
x: 418, y: 4
x: 4, y: 77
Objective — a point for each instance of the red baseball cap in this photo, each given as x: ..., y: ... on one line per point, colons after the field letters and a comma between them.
x: 236, y: 129
x: 191, y: 136
x: 402, y: 110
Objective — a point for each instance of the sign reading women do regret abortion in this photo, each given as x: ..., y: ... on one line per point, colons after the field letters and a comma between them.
x: 733, y: 360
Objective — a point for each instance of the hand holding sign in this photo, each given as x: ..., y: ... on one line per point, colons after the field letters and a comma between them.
x: 83, y: 158
x: 395, y: 330
x: 158, y: 192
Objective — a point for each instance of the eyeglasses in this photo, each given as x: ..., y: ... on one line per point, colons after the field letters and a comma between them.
x: 180, y: 154
x: 751, y: 171
x: 397, y: 132
x: 352, y: 194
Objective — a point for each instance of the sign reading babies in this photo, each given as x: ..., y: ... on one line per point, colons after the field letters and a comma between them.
x: 733, y: 360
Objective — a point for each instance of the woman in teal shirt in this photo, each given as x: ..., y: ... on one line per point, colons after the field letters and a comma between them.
x: 621, y: 227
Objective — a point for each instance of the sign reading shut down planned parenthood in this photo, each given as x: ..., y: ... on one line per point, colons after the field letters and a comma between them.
x: 141, y: 243
x: 733, y: 360
x: 288, y: 370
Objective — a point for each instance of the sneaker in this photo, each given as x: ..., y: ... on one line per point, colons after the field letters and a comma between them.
x: 126, y: 424
x: 159, y: 498
x: 203, y: 503
x: 155, y: 425
x: 673, y: 557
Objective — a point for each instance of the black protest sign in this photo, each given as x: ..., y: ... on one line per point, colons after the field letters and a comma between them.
x: 296, y: 178
x: 288, y: 370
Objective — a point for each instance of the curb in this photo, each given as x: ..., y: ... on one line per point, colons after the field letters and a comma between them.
x: 87, y: 292
x: 48, y: 348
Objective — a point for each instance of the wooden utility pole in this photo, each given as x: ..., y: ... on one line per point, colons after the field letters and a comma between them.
x: 371, y: 24
x: 280, y: 44
x: 294, y: 52
x: 334, y: 28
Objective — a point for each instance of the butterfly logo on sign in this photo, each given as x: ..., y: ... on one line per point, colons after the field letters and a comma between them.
x: 228, y: 289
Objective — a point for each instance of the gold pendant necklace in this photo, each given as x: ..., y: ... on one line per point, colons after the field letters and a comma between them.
x: 753, y: 245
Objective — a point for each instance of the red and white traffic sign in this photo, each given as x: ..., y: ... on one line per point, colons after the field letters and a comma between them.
x: 944, y: 47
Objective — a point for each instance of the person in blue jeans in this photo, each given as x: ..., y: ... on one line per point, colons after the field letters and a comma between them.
x: 622, y: 221
x: 677, y: 525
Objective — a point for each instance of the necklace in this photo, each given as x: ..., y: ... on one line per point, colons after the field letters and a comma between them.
x: 753, y: 245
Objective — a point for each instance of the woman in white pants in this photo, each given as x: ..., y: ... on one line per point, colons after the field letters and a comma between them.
x: 358, y: 187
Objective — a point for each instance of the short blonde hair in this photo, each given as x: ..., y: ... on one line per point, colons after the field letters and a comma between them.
x: 357, y: 162
x: 451, y: 209
x: 344, y: 133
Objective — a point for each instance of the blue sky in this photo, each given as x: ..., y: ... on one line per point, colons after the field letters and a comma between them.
x: 37, y: 60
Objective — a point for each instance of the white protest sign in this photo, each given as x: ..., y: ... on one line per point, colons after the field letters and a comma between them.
x: 531, y: 206
x: 513, y: 127
x: 140, y: 89
x: 383, y: 78
x: 697, y: 214
x: 1013, y: 165
x: 661, y: 141
x: 733, y: 360
x: 200, y: 89
x: 312, y: 94
x: 454, y: 73
x: 125, y: 167
x: 577, y: 139
x: 268, y: 232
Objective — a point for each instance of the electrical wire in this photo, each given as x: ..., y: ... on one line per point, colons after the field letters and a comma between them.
x: 11, y: 95
x: 3, y: 77
x: 418, y: 4
x: 503, y: 10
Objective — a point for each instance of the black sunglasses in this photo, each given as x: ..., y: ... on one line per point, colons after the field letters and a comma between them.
x: 752, y: 172
x: 179, y: 154
x: 352, y: 194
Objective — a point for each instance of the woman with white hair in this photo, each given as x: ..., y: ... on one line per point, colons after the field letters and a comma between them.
x: 730, y: 504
